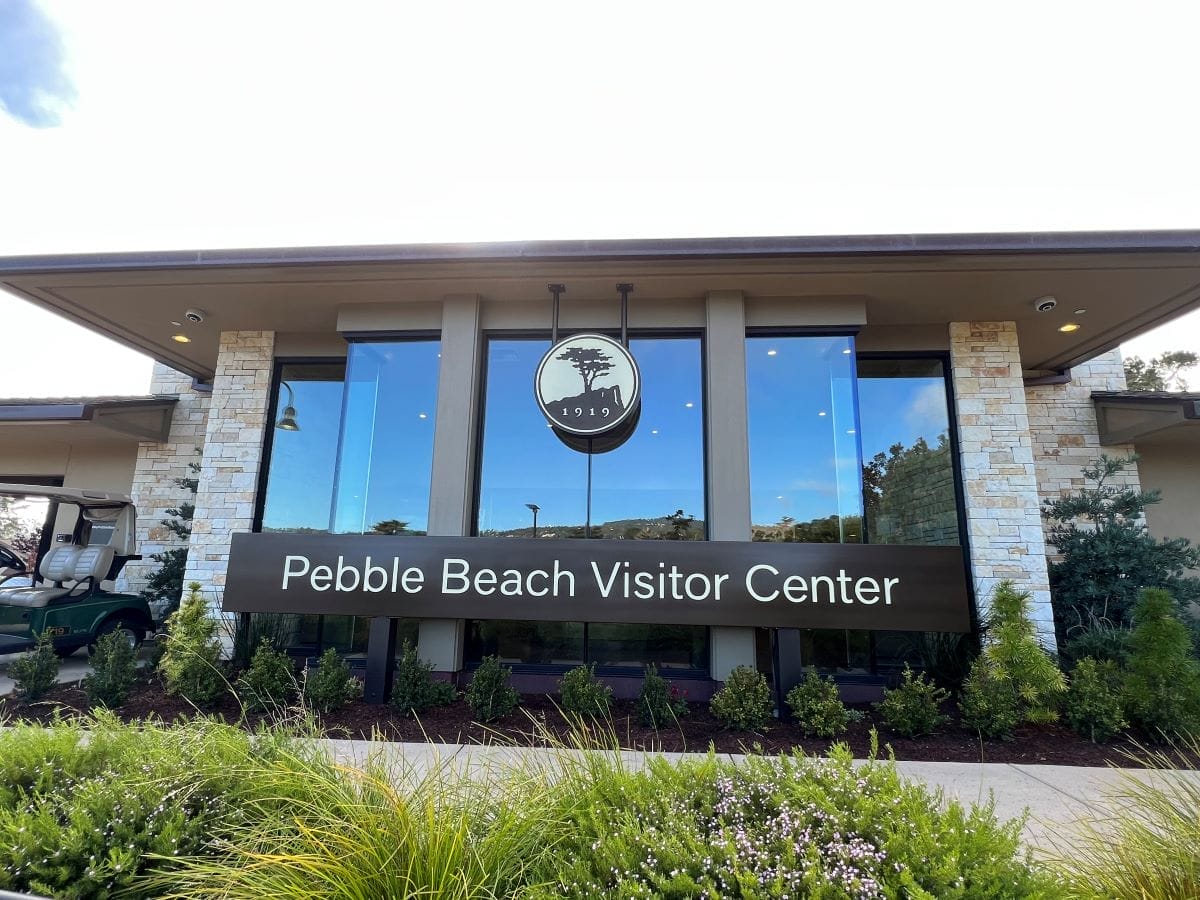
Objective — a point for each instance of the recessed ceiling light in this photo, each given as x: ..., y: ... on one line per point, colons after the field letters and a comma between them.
x: 422, y: 416
x: 821, y: 413
x: 1080, y: 311
x: 846, y: 351
x: 654, y: 431
x: 689, y: 404
x: 177, y: 324
x: 1068, y: 327
x: 780, y: 497
x: 772, y: 352
x: 849, y: 431
x: 181, y: 339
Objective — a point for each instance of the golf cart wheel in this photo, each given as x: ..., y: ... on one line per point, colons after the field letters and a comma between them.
x: 133, y: 632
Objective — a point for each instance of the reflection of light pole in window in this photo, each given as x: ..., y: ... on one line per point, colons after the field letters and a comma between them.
x: 533, y: 508
x: 287, y: 422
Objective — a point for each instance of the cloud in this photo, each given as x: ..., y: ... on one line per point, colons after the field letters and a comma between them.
x: 926, y: 415
x: 33, y: 82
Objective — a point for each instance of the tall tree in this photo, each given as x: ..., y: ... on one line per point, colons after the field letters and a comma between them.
x: 1163, y: 373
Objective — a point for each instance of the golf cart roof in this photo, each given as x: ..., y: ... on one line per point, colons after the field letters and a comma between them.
x: 84, y: 499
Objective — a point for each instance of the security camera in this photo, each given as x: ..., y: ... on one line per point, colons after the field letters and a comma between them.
x: 1044, y: 304
x: 197, y: 315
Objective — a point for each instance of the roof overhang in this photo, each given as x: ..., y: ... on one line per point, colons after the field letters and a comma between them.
x: 1147, y: 417
x: 80, y: 418
x: 1128, y: 282
x: 85, y: 499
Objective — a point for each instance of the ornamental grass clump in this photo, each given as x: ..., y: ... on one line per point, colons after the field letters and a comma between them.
x: 790, y: 826
x: 36, y: 672
x: 1162, y: 680
x: 331, y: 685
x: 414, y: 689
x: 584, y: 694
x: 659, y: 702
x: 744, y: 703
x: 489, y: 694
x: 1095, y: 706
x: 114, y: 667
x: 1013, y: 680
x: 1147, y: 846
x: 191, y: 662
x: 270, y: 681
x: 914, y: 708
x: 817, y: 707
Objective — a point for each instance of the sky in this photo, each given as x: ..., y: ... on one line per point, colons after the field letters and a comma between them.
x: 149, y: 125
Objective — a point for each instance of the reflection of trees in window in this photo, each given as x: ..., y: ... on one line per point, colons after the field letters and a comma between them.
x: 828, y: 530
x: 392, y: 526
x: 678, y: 526
x: 909, y: 495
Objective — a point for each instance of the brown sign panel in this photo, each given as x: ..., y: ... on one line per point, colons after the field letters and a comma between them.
x: 665, y: 582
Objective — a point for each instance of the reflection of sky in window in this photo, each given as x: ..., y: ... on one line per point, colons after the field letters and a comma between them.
x: 386, y: 457
x: 901, y: 410
x: 300, y: 477
x: 804, y: 456
x: 658, y: 470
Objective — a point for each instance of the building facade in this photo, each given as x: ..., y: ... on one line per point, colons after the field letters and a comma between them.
x: 825, y: 409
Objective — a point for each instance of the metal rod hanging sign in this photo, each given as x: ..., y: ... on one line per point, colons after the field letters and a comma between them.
x: 625, y: 290
x: 556, y: 290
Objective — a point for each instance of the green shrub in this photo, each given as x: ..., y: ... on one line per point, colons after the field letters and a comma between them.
x: 414, y: 689
x: 988, y: 703
x: 1013, y: 662
x: 583, y: 693
x: 36, y: 672
x: 659, y: 702
x: 744, y: 702
x: 787, y: 826
x: 270, y: 681
x: 330, y: 686
x: 1099, y: 640
x: 88, y: 809
x: 191, y: 662
x: 817, y: 706
x: 1162, y: 682
x: 489, y: 694
x: 1094, y: 705
x: 915, y: 707
x: 1146, y: 847
x: 1107, y: 554
x: 114, y: 666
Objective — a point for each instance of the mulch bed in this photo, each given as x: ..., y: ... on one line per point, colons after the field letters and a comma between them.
x: 1051, y: 744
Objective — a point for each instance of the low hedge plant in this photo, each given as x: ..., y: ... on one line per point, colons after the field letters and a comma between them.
x: 744, y: 701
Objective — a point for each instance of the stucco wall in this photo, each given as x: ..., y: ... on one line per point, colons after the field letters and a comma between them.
x: 1174, y: 470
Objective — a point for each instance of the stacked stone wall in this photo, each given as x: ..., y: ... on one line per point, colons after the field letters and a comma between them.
x: 233, y: 447
x: 916, y: 504
x: 1000, y: 482
x: 159, y: 464
x: 1062, y: 422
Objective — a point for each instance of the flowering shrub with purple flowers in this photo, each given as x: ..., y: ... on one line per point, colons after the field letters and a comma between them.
x: 784, y: 827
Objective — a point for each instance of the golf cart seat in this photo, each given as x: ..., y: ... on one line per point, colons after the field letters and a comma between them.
x: 85, y: 566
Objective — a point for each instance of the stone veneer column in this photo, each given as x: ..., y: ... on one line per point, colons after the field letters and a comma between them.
x: 1004, y: 527
x: 233, y: 446
x: 154, y: 490
x: 1062, y: 421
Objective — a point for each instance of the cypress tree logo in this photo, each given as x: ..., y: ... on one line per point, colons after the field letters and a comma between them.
x: 587, y: 385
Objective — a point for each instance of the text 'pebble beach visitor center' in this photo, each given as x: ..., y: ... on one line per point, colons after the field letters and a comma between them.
x: 692, y: 454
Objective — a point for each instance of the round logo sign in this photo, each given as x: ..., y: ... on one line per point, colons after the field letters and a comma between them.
x: 587, y: 385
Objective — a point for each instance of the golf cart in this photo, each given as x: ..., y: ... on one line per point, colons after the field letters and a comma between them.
x: 70, y: 595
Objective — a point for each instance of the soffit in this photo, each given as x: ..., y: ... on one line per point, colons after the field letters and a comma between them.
x: 1124, y: 293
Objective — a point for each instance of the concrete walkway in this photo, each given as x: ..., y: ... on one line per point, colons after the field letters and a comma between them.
x: 1055, y: 797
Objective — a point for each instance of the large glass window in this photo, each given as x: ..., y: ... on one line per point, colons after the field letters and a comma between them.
x: 385, y: 460
x: 908, y: 471
x: 652, y: 487
x: 805, y: 469
x: 299, y: 484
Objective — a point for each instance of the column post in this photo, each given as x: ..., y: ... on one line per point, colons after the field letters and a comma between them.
x: 728, y: 454
x: 233, y: 448
x: 1000, y: 487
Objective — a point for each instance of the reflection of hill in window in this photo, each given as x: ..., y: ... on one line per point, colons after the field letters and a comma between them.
x: 909, y: 495
x: 829, y: 530
x: 679, y: 526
